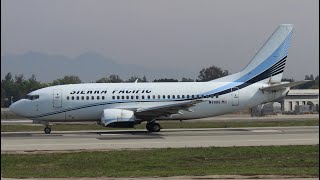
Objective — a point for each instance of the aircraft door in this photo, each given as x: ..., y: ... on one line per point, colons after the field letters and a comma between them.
x: 235, y: 96
x: 57, y: 98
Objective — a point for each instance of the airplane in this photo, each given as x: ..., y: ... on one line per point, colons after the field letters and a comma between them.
x: 127, y: 104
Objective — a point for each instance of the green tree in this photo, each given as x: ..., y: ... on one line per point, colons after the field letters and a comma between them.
x: 165, y: 80
x: 3, y: 95
x: 115, y: 79
x: 111, y: 79
x: 211, y: 73
x: 103, y: 80
x: 134, y: 78
x: 287, y: 79
x: 312, y: 84
x: 187, y: 80
x: 67, y: 80
x: 7, y: 90
x: 316, y: 83
x: 20, y: 85
x: 33, y: 84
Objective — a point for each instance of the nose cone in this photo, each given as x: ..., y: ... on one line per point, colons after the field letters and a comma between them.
x: 12, y: 107
x: 16, y: 108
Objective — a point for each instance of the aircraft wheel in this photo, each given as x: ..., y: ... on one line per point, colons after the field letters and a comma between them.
x: 47, y: 130
x: 153, y: 127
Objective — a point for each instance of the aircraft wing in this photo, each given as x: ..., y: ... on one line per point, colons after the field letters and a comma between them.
x: 166, y: 110
x: 283, y: 86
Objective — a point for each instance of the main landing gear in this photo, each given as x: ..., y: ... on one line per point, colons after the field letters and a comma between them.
x: 47, y: 130
x: 153, y: 127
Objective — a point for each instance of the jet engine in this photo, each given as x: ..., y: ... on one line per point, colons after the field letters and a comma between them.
x: 117, y: 118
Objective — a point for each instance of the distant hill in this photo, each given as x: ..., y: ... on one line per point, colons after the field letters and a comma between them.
x: 89, y: 67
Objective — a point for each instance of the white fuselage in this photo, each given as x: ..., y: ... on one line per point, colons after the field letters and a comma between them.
x: 86, y: 102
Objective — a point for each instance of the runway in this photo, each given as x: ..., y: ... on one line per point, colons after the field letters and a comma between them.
x: 167, y: 138
x: 222, y: 118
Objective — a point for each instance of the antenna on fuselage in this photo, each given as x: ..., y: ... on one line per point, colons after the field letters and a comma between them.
x: 136, y: 81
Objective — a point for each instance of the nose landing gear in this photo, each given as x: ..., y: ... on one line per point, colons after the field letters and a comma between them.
x: 153, y: 127
x: 47, y: 130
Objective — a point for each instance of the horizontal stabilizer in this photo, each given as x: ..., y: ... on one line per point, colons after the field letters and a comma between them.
x: 283, y: 85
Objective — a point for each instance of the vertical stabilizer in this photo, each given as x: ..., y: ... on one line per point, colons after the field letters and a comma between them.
x: 270, y: 60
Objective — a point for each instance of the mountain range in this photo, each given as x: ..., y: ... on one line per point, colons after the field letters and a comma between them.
x: 89, y: 66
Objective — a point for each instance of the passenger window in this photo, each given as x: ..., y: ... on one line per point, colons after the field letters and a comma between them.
x: 82, y: 97
x: 112, y: 97
x: 137, y: 97
x: 182, y: 96
x: 87, y: 97
x: 168, y: 96
x: 72, y: 98
x: 98, y: 97
x: 198, y: 96
x: 217, y: 96
x: 173, y: 96
x: 148, y: 97
x: 92, y: 97
x: 159, y: 97
x: 192, y: 96
x: 102, y: 97
x: 118, y: 97
x: 153, y: 96
x: 132, y: 97
x: 127, y: 97
x: 122, y: 97
x: 77, y: 97
x: 142, y: 97
x: 178, y: 96
x: 187, y: 96
x: 67, y: 97
x: 163, y: 96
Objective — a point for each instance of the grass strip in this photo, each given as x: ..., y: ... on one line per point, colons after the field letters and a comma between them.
x: 261, y: 160
x: 166, y: 125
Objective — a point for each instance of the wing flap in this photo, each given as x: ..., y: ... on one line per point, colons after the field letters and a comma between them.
x: 166, y: 110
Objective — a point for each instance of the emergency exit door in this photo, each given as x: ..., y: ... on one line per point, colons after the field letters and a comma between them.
x: 235, y: 96
x: 57, y: 98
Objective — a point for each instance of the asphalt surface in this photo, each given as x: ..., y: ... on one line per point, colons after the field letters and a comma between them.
x: 141, y: 139
x: 222, y: 118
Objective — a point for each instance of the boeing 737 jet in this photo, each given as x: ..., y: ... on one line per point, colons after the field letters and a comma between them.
x: 128, y: 104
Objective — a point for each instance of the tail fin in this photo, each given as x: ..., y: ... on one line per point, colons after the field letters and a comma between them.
x: 268, y: 64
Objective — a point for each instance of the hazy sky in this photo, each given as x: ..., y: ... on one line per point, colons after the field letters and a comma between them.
x: 167, y: 33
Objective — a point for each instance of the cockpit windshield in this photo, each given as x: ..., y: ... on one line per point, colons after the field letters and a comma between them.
x: 32, y: 97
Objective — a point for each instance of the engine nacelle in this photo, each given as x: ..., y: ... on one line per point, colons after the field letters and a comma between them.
x: 117, y: 118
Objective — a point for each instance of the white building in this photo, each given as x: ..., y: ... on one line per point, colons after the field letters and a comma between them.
x: 298, y: 99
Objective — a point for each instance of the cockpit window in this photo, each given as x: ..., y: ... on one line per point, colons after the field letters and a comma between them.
x: 32, y: 97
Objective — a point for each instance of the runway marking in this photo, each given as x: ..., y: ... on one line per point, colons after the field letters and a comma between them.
x: 266, y: 131
x: 105, y: 134
x: 73, y: 144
